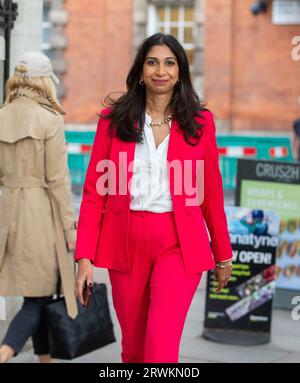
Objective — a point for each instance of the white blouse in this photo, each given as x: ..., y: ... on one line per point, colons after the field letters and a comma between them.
x: 150, y: 188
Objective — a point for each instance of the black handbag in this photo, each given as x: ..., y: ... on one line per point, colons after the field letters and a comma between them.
x: 90, y: 330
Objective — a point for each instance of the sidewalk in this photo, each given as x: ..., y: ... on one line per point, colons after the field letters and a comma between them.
x: 284, y: 347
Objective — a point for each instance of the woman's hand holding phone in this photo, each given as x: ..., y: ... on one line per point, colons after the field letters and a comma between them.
x: 84, y: 281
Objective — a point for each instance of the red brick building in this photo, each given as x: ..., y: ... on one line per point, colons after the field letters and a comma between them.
x: 101, y: 38
x: 251, y: 79
x: 98, y: 54
x: 241, y: 63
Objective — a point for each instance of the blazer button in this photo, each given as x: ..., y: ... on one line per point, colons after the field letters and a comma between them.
x: 117, y: 211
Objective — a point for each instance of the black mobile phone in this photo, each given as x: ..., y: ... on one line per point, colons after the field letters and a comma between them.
x: 87, y: 294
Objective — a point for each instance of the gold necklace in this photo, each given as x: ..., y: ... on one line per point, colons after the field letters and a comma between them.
x: 159, y: 124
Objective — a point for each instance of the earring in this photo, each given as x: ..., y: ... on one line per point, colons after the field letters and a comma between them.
x: 178, y: 81
x: 141, y: 81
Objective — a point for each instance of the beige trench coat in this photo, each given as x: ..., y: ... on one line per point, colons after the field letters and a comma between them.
x: 37, y: 217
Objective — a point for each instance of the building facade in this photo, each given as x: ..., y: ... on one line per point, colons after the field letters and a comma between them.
x: 241, y: 62
x: 20, y: 30
x: 252, y: 77
x: 101, y: 40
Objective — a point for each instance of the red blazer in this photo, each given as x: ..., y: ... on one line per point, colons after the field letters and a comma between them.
x: 103, y: 219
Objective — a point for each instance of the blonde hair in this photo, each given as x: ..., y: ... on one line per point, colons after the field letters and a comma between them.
x: 44, y: 86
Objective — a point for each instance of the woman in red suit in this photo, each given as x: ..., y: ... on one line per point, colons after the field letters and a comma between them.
x: 141, y: 216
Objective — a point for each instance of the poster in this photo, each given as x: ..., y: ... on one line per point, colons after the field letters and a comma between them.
x: 245, y: 304
x: 276, y: 186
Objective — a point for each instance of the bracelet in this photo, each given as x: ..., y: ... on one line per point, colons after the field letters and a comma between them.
x: 223, y: 265
x: 222, y: 262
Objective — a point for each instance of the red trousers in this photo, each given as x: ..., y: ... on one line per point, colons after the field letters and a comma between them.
x: 152, y: 301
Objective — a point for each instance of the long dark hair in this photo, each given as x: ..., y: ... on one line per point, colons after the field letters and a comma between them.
x: 185, y: 104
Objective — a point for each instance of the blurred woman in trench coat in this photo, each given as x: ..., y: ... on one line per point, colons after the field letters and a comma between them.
x: 37, y: 218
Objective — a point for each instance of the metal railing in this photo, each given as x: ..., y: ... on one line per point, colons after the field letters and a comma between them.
x: 8, y: 15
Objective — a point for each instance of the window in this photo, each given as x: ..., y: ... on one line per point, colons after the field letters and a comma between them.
x: 177, y: 20
x: 46, y: 42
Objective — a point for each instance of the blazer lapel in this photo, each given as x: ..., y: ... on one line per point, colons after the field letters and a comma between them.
x: 126, y: 151
x: 176, y: 153
x: 173, y: 141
